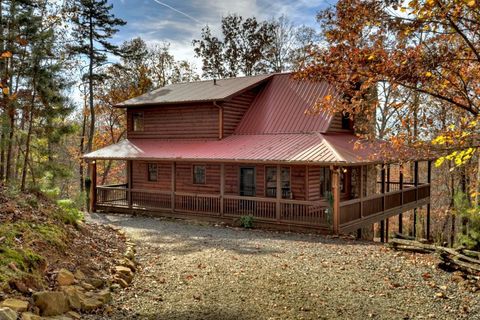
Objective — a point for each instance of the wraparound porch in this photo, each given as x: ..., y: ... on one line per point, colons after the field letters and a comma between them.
x: 336, y: 215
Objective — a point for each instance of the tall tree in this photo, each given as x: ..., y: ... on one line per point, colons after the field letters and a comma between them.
x: 94, y: 26
x: 210, y: 49
x: 242, y: 51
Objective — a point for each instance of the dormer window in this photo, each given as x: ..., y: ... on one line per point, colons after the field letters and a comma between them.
x: 137, y: 121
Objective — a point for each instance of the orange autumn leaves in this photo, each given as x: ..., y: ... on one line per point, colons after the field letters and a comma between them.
x: 426, y: 51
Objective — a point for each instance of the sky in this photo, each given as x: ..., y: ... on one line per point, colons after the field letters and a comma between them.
x: 179, y: 22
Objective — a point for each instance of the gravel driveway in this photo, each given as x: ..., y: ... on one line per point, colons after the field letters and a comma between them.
x: 196, y: 271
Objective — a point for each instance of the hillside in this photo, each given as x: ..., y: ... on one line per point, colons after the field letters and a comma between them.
x: 40, y: 240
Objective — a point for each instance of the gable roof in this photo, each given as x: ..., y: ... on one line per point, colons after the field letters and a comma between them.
x: 198, y: 91
x: 283, y: 107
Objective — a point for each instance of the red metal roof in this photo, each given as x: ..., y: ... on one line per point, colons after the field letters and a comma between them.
x: 282, y: 106
x: 294, y: 148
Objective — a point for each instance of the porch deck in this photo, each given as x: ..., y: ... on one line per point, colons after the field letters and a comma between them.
x: 354, y: 214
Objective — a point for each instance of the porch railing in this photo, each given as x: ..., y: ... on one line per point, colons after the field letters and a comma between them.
x: 394, y: 201
x: 265, y: 209
x: 262, y: 209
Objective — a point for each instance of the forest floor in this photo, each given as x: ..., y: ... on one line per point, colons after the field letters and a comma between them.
x: 196, y: 271
x: 38, y: 238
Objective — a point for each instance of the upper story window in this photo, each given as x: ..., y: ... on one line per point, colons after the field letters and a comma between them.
x: 152, y: 172
x: 137, y: 121
x: 271, y: 182
x: 199, y: 173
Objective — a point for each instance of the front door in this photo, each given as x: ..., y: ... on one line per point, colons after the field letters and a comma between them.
x: 247, y: 182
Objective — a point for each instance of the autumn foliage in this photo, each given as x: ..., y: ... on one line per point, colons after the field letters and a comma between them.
x: 425, y: 53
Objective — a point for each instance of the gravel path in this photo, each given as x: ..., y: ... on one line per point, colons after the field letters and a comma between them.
x: 194, y: 271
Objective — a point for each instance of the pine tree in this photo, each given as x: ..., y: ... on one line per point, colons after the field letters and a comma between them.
x: 94, y: 26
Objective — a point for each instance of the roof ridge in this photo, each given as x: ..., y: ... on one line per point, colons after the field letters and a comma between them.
x: 224, y: 79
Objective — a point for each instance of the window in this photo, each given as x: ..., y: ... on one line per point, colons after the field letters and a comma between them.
x: 152, y: 172
x: 346, y: 121
x: 325, y: 182
x: 199, y: 173
x: 271, y: 182
x: 137, y: 121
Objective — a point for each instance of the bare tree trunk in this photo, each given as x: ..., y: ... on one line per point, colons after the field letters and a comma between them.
x: 90, y: 91
x: 8, y: 169
x: 452, y: 211
x: 27, y: 143
x: 81, y: 147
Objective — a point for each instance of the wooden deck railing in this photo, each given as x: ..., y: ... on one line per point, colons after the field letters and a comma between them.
x: 386, y: 204
x: 265, y: 209
x: 262, y: 209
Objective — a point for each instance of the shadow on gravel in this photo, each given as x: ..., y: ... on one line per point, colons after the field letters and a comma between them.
x: 184, y: 237
x: 203, y: 314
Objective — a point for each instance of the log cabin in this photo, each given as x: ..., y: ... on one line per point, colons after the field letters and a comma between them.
x: 247, y: 146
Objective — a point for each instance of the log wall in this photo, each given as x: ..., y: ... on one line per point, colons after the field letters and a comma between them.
x: 176, y: 122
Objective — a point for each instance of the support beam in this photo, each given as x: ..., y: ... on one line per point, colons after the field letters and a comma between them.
x: 222, y: 187
x: 400, y: 216
x: 336, y: 199
x: 361, y: 192
x: 93, y: 186
x: 173, y: 185
x: 429, y: 180
x: 415, y: 182
x: 388, y: 178
x: 279, y: 191
x: 382, y: 190
x: 386, y: 230
x: 382, y: 231
x: 129, y: 182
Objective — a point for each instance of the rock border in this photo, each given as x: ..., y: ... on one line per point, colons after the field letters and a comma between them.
x: 76, y: 293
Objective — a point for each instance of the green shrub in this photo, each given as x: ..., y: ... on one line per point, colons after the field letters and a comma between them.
x: 470, y: 237
x: 51, y: 193
x: 68, y: 212
x: 246, y: 221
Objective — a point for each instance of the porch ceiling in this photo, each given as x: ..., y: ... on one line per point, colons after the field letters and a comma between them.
x: 291, y: 148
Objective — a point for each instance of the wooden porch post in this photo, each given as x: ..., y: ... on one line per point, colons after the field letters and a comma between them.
x: 429, y: 180
x: 415, y: 182
x: 336, y: 199
x: 400, y: 216
x: 173, y: 185
x: 222, y: 187
x: 129, y: 182
x: 382, y: 189
x: 93, y: 186
x: 279, y: 192
x: 359, y: 231
x: 386, y: 230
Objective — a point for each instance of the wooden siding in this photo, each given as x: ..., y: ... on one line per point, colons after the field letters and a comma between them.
x: 313, y: 183
x: 176, y: 122
x: 336, y: 124
x: 140, y: 176
x: 184, y: 179
x: 234, y: 110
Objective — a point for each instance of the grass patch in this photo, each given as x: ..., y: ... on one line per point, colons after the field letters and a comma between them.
x: 27, y: 232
